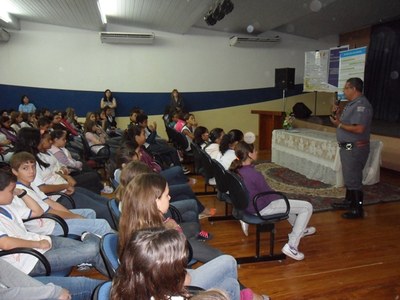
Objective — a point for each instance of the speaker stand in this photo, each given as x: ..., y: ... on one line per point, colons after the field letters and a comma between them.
x: 315, y: 102
x: 284, y: 100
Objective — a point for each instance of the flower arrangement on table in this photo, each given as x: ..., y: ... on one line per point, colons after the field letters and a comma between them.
x: 288, y: 121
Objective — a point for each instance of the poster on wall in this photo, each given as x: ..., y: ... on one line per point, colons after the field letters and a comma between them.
x: 316, y: 70
x: 321, y: 71
x: 351, y: 64
x: 334, y: 60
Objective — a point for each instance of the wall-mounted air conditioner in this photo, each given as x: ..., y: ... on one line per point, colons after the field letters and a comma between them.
x: 4, y: 35
x: 253, y: 41
x: 127, y: 38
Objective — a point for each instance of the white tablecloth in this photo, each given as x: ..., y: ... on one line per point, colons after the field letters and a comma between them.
x: 315, y: 154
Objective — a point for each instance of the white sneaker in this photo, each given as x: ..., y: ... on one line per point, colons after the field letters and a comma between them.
x: 245, y: 228
x: 292, y: 252
x: 107, y: 190
x: 309, y: 231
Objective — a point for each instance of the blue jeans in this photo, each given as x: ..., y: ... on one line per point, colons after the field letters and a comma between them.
x: 80, y: 288
x: 66, y: 253
x: 219, y: 273
x: 184, y: 191
x: 87, y: 199
x: 78, y: 226
x: 174, y: 175
x: 188, y: 210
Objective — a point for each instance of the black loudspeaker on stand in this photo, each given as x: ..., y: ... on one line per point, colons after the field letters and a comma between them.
x: 284, y: 78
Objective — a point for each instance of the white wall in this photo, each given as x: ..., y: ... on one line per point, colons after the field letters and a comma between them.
x: 57, y: 57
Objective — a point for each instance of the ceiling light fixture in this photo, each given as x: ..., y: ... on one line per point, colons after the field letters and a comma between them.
x: 101, y: 4
x: 217, y: 13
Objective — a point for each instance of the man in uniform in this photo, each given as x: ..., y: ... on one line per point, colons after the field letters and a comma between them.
x: 353, y: 133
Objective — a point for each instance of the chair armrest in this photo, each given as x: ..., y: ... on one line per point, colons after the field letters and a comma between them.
x: 175, y: 214
x: 30, y: 251
x: 274, y: 217
x: 70, y: 199
x: 55, y: 218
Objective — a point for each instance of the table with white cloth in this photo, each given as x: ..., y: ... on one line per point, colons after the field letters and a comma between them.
x: 315, y: 154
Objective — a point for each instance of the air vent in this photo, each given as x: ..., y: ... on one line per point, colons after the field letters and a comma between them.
x: 253, y: 41
x: 127, y: 38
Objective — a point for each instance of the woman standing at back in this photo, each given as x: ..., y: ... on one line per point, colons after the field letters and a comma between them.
x: 108, y: 100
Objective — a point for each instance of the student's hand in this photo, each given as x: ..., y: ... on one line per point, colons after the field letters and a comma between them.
x: 70, y: 190
x: 71, y: 181
x: 44, y: 244
x: 64, y: 295
x: 64, y: 170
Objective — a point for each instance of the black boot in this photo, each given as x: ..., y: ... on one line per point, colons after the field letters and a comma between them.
x: 356, y: 207
x: 345, y: 204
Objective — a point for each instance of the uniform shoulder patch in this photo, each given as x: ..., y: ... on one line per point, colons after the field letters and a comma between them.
x: 360, y: 108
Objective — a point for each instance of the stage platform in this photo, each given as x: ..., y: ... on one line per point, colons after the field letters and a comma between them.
x: 386, y: 132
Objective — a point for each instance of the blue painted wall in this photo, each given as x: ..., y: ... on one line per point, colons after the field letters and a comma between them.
x: 152, y: 103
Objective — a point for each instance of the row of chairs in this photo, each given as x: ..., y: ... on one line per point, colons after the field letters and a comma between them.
x: 233, y: 193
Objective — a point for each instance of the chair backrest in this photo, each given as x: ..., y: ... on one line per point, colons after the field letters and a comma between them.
x: 207, y: 164
x: 113, y: 207
x: 239, y: 196
x: 198, y: 167
x: 86, y: 147
x: 109, y: 252
x: 102, y: 291
x: 178, y: 139
x: 221, y: 178
x: 237, y: 192
x: 89, y: 154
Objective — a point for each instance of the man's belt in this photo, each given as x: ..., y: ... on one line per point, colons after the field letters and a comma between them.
x: 351, y: 145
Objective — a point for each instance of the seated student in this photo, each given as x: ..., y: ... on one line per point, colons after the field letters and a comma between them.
x: 72, y: 118
x: 133, y: 115
x: 62, y: 253
x: 189, y: 127
x: 227, y: 146
x: 179, y: 188
x: 7, y: 130
x: 110, y: 124
x: 28, y: 120
x: 187, y: 207
x: 177, y: 121
x: 212, y: 148
x: 16, y: 119
x: 136, y: 135
x: 35, y: 203
x: 158, y: 146
x: 145, y: 202
x: 201, y: 136
x: 300, y: 211
x: 153, y: 266
x: 15, y: 284
x: 51, y: 178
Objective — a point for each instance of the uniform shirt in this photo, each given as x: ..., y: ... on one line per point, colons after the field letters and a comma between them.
x: 227, y: 158
x: 41, y: 226
x: 359, y: 112
x: 213, y: 150
x: 11, y: 225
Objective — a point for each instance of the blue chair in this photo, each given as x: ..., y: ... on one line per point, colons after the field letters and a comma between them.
x: 113, y: 207
x: 109, y: 252
x: 102, y: 291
